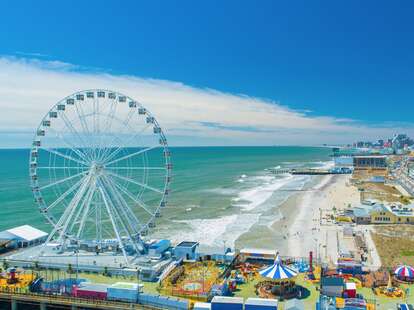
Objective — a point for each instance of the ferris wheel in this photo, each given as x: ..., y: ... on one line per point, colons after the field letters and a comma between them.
x: 100, y: 171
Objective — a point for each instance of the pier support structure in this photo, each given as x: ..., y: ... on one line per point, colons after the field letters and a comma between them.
x: 13, y: 304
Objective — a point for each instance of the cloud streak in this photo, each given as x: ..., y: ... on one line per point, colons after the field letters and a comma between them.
x: 189, y: 115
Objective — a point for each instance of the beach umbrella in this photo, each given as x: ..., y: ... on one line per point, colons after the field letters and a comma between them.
x: 277, y: 271
x: 404, y: 271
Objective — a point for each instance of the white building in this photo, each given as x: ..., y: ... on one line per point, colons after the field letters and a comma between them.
x: 24, y: 236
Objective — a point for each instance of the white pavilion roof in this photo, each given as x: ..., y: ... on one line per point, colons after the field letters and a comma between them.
x: 27, y: 233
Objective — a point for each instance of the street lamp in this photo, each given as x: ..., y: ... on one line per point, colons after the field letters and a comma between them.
x: 316, y: 249
x: 77, y: 261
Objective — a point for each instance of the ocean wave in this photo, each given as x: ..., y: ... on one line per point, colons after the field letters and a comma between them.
x: 324, y: 164
x: 259, y: 194
x: 222, y: 191
x: 215, y: 232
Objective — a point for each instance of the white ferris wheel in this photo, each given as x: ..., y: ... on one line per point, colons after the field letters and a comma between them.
x: 100, y: 171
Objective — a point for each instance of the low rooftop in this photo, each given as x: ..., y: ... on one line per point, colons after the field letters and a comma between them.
x: 332, y: 281
x: 187, y: 244
x: 25, y: 233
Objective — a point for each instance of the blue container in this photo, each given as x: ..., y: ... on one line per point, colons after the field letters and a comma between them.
x: 163, y: 301
x: 260, y: 304
x: 124, y: 292
x: 226, y: 303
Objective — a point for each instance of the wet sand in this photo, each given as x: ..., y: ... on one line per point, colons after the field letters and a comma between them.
x: 276, y: 234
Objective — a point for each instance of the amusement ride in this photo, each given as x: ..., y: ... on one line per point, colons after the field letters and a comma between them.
x: 100, y: 172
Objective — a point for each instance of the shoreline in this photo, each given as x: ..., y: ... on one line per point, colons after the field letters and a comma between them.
x: 299, y: 230
x: 307, y: 233
x: 277, y: 235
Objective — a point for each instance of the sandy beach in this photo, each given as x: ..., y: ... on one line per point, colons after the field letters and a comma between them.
x: 301, y: 217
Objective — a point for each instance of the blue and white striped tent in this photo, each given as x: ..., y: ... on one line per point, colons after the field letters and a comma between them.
x: 277, y: 271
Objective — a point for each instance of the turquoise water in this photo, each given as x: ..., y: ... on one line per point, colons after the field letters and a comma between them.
x: 212, y: 188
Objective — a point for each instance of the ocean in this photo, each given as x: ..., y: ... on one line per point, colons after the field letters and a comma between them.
x: 218, y: 193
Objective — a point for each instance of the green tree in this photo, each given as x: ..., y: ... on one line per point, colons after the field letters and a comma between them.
x: 5, y: 264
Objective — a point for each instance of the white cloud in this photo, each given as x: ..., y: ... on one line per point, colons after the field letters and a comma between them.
x: 189, y: 115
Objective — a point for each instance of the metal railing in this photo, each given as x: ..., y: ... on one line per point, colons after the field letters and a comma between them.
x: 17, y: 294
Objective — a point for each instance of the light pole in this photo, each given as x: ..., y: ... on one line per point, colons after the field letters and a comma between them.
x: 138, y: 272
x: 77, y: 262
x: 316, y: 249
x: 224, y: 252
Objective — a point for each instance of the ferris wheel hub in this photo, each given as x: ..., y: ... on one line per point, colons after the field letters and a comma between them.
x: 97, y: 169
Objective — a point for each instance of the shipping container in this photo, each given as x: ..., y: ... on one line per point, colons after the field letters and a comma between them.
x: 90, y: 290
x: 260, y: 304
x: 124, y: 291
x: 163, y: 301
x: 226, y: 303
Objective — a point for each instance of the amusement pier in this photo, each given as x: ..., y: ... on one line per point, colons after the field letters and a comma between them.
x: 102, y: 182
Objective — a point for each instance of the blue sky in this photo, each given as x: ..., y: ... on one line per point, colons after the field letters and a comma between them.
x: 348, y: 60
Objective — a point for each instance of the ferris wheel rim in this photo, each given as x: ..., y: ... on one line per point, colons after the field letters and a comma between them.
x: 33, y: 159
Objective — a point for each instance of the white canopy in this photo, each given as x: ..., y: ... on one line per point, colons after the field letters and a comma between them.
x: 25, y: 233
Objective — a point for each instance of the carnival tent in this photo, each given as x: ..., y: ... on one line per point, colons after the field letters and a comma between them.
x: 404, y: 271
x: 277, y: 271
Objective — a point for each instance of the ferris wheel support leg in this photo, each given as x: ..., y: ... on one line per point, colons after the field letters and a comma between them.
x: 65, y: 214
x: 74, y: 205
x: 124, y: 226
x: 87, y: 203
x: 128, y: 216
x: 108, y: 209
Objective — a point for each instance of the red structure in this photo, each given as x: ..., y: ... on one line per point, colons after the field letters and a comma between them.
x: 93, y: 291
x: 12, y: 276
x: 350, y: 290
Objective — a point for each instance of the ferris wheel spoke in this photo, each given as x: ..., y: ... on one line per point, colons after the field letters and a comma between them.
x: 114, y: 225
x: 73, y: 130
x: 109, y: 120
x: 98, y: 219
x: 130, y: 155
x: 129, y: 217
x: 63, y: 180
x: 74, y: 204
x: 64, y: 195
x: 62, y: 168
x: 60, y: 224
x: 131, y: 196
x: 85, y: 208
x: 126, y: 123
x: 136, y: 182
x: 134, y: 199
x: 100, y: 143
x: 53, y: 151
x: 111, y: 186
x: 70, y: 145
x: 135, y: 168
x: 85, y: 128
x: 111, y: 115
x: 119, y: 148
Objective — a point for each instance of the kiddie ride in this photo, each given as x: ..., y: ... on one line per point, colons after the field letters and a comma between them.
x: 389, y: 291
x: 13, y: 279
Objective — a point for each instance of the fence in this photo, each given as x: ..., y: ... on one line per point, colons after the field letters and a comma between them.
x: 20, y: 295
